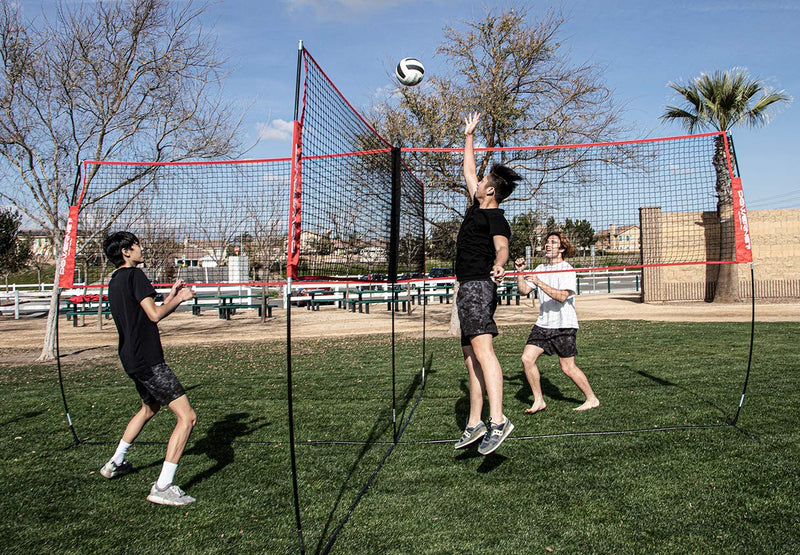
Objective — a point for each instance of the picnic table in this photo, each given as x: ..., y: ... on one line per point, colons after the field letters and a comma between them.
x: 197, y: 306
x: 322, y: 296
x: 227, y: 306
x: 434, y: 290
x: 363, y: 299
x: 86, y: 305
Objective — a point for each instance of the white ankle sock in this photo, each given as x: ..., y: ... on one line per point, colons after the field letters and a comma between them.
x: 119, y: 454
x: 167, y: 475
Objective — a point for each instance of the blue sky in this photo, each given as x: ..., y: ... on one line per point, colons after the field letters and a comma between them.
x: 641, y: 44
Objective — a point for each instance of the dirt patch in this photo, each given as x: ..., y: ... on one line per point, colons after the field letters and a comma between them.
x: 22, y: 339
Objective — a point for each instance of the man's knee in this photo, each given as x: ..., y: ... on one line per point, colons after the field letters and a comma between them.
x: 568, y: 366
x: 189, y: 418
x: 149, y: 411
x: 184, y: 412
x: 485, y: 356
x: 528, y: 359
x: 530, y: 355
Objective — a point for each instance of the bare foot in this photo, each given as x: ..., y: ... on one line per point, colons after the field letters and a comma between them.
x: 536, y: 407
x: 589, y: 404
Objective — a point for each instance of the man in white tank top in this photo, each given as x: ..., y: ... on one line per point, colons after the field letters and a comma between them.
x: 557, y: 325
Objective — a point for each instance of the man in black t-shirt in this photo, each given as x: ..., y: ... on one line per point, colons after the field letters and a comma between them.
x: 481, y: 254
x: 136, y: 315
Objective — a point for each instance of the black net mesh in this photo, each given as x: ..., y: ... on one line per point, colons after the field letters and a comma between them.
x: 347, y: 191
x: 205, y: 222
x: 621, y: 204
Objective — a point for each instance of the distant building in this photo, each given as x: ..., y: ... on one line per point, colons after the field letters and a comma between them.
x: 41, y: 244
x: 615, y: 239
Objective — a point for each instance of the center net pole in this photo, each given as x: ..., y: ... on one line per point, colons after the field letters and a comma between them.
x: 293, y: 196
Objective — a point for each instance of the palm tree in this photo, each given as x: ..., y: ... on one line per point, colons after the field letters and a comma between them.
x: 720, y: 101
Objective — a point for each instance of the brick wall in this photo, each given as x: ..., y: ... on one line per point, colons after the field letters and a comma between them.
x: 775, y: 236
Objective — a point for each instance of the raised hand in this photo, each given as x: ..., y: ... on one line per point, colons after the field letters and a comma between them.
x: 471, y: 122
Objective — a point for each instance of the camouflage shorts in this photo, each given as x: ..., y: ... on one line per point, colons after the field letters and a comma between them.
x: 158, y: 385
x: 559, y: 341
x: 476, y: 302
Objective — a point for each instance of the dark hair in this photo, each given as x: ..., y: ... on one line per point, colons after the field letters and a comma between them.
x: 114, y: 244
x: 504, y: 180
x: 566, y: 244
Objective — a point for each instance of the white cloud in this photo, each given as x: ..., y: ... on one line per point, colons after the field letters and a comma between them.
x: 275, y: 130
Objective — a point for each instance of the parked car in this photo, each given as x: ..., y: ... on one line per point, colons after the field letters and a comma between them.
x: 441, y: 273
x: 374, y: 277
x: 410, y: 275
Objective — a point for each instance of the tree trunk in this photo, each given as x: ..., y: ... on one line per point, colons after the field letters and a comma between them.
x: 727, y: 289
x: 49, y: 347
x: 727, y: 282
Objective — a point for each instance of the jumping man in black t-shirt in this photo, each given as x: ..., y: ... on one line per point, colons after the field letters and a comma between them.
x: 481, y: 254
x: 136, y: 315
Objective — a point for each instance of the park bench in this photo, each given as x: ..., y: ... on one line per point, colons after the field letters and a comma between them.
x: 363, y: 303
x: 228, y: 308
x: 426, y: 292
x: 85, y: 305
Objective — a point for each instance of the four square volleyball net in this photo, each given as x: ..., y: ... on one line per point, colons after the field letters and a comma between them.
x: 349, y: 222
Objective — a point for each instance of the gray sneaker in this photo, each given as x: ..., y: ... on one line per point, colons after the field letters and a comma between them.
x: 497, y: 434
x: 471, y: 435
x: 171, y: 495
x: 111, y: 470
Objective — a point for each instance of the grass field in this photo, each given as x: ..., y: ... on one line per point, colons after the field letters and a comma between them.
x: 554, y: 486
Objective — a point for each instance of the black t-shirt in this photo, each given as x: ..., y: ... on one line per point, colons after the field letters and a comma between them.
x: 139, y: 340
x: 475, y: 253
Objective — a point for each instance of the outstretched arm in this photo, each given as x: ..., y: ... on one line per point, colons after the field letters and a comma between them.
x: 470, y: 173
x: 560, y: 295
x: 176, y: 296
x: 522, y: 285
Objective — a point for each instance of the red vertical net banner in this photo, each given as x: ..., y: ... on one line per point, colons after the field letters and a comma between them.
x: 66, y: 267
x: 295, y: 203
x: 744, y: 248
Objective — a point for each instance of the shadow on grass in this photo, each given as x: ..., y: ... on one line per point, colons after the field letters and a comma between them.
x: 81, y: 351
x: 549, y: 390
x: 490, y: 462
x: 381, y: 426
x: 23, y: 416
x: 523, y: 395
x: 217, y: 444
x: 692, y: 392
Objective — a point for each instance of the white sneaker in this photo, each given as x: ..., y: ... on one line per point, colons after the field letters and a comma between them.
x: 111, y: 470
x: 171, y: 495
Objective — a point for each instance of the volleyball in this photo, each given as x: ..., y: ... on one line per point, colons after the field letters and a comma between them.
x: 409, y: 71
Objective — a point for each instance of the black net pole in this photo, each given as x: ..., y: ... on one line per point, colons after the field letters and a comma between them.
x: 752, y: 336
x: 394, y: 239
x: 60, y: 375
x: 752, y: 306
x: 289, y: 387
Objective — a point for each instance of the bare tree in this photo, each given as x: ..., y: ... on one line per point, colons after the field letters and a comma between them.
x: 266, y: 216
x: 514, y: 70
x: 139, y: 79
x: 518, y: 75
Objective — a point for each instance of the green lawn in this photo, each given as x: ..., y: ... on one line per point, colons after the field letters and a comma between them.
x: 700, y: 486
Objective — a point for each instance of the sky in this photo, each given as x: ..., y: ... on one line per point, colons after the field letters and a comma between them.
x: 641, y: 46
